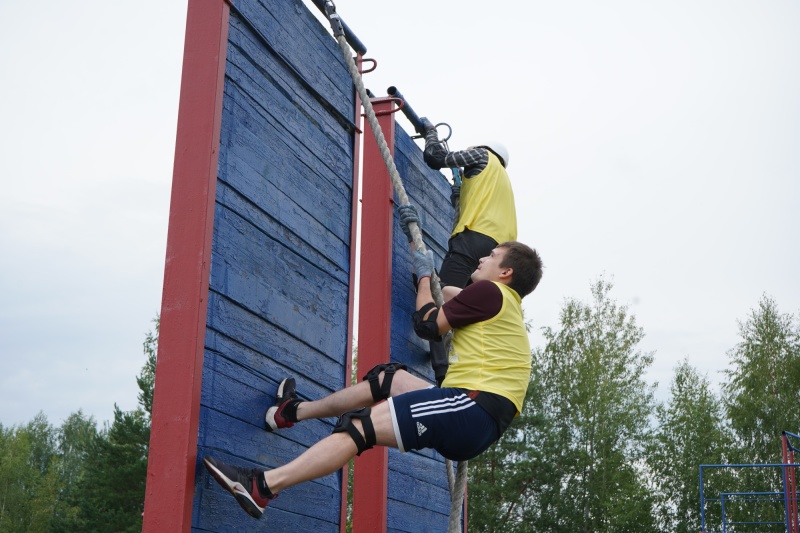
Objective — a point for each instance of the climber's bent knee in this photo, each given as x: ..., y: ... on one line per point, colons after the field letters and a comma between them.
x: 381, y: 391
x: 345, y: 423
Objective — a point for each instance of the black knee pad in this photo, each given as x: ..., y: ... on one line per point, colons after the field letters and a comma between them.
x: 381, y: 392
x: 345, y: 423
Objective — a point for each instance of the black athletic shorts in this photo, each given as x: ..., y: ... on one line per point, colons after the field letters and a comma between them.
x: 447, y: 420
x: 464, y: 251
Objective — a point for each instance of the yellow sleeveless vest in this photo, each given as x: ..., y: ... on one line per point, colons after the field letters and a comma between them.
x: 493, y: 355
x: 487, y: 203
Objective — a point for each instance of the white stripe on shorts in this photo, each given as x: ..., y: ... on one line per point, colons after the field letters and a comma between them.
x: 445, y: 405
x: 397, y: 436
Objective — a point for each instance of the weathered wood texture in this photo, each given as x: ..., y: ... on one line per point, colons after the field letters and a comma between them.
x: 280, y: 270
x: 419, y: 499
x: 280, y: 258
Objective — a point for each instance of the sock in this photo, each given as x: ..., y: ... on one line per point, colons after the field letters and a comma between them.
x: 261, y: 484
x: 289, y: 410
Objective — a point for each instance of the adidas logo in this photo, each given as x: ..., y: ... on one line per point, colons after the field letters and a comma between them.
x: 421, y: 429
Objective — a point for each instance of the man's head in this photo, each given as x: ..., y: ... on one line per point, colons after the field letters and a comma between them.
x: 513, y: 263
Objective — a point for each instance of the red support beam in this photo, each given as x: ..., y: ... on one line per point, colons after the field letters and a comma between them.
x: 370, y: 485
x: 179, y: 368
x: 790, y: 487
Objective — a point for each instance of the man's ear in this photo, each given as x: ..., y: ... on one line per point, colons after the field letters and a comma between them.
x: 506, y: 273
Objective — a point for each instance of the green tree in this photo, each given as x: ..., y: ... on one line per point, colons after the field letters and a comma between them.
x: 764, y: 382
x: 75, y: 439
x: 147, y: 378
x: 74, y: 478
x: 760, y: 397
x: 506, y: 482
x: 15, y: 474
x: 110, y: 492
x: 599, y: 406
x: 690, y: 431
x: 27, y: 482
x: 572, y: 460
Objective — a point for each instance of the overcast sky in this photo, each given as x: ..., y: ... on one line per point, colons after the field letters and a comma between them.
x: 654, y: 143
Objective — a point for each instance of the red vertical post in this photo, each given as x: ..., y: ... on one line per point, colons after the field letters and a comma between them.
x: 179, y: 368
x: 790, y: 488
x: 370, y: 486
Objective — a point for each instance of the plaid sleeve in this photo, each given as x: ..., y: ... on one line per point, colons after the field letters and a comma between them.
x: 472, y: 160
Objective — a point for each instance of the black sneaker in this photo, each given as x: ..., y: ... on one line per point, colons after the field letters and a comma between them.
x: 241, y: 482
x: 277, y: 416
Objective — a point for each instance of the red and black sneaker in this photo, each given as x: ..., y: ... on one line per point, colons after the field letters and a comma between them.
x: 243, y: 483
x: 284, y: 413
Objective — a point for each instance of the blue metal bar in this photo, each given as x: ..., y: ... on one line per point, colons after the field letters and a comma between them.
x: 750, y: 465
x: 723, y: 498
x: 724, y: 514
x: 726, y: 496
x: 416, y: 121
x: 702, y: 503
x: 407, y: 110
x: 789, y: 444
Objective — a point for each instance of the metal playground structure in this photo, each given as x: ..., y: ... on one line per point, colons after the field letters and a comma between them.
x: 769, y: 507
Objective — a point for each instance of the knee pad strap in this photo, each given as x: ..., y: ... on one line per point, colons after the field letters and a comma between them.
x: 345, y: 423
x: 381, y: 391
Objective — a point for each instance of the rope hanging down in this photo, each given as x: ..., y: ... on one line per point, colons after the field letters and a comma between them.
x: 459, y: 481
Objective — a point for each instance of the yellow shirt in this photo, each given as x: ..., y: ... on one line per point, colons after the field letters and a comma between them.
x: 493, y: 355
x: 487, y: 203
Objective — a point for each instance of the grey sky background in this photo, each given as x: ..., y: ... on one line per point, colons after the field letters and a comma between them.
x: 654, y: 143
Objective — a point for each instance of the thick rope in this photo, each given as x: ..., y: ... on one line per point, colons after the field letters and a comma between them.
x: 397, y: 183
x: 457, y: 485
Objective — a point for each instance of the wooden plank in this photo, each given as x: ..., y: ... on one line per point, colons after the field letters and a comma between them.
x: 307, y: 503
x: 295, y: 357
x: 285, y: 182
x: 267, y: 371
x: 295, y: 35
x: 279, y: 286
x: 222, y: 513
x: 303, y: 121
x: 408, y: 518
x: 251, y: 401
x: 259, y: 73
x: 417, y: 480
x: 328, y: 257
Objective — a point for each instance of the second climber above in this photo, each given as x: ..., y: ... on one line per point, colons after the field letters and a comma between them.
x: 486, y: 200
x: 486, y: 215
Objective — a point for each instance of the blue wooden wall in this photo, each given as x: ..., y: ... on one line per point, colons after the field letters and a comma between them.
x: 280, y: 260
x: 419, y: 498
x: 278, y: 297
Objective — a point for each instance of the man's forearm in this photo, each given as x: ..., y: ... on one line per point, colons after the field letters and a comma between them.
x: 424, y: 294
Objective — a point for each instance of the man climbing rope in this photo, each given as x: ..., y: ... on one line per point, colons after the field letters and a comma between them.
x: 460, y: 420
x: 486, y: 215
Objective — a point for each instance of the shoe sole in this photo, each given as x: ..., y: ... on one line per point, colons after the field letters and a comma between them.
x: 234, y: 487
x: 279, y: 397
x: 269, y: 412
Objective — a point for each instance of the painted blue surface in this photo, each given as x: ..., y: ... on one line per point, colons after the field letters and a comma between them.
x: 280, y: 259
x: 277, y: 304
x: 419, y: 499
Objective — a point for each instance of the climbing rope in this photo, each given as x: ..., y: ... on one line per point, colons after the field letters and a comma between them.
x: 458, y: 482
